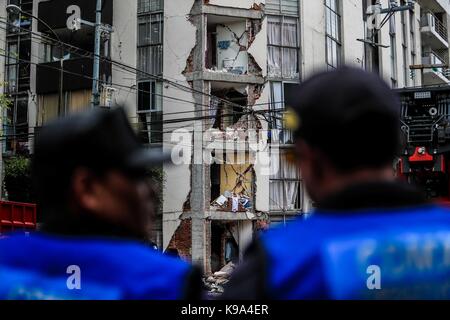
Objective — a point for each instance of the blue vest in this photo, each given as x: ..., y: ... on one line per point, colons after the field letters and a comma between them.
x: 390, y: 254
x: 50, y: 267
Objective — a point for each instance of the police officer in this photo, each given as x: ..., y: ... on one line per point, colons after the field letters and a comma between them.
x: 370, y: 235
x: 97, y: 202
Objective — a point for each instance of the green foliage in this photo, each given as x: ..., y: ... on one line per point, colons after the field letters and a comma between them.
x: 5, y: 103
x: 18, y: 183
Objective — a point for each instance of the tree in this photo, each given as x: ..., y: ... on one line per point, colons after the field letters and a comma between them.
x: 5, y: 104
x: 18, y: 181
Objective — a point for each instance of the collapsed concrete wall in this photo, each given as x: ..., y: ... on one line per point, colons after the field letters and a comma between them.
x: 248, y: 40
x: 179, y: 39
x: 258, y: 47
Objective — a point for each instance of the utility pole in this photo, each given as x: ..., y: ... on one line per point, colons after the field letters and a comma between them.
x: 96, y: 69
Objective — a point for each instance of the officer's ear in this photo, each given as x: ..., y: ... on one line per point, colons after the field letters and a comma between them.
x: 86, y: 189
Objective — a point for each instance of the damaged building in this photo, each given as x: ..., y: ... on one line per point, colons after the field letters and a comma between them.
x: 240, y: 57
x: 222, y: 54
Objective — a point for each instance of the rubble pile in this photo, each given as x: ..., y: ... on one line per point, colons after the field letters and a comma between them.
x: 215, y: 284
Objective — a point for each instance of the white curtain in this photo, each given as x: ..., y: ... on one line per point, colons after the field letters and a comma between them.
x: 276, y: 186
x: 284, y: 185
x: 274, y: 39
x: 283, y: 43
x: 290, y: 63
x: 290, y: 171
x: 290, y: 32
x: 274, y: 61
x: 274, y: 32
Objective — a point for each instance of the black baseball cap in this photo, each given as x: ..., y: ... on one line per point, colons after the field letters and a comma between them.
x: 351, y: 115
x: 99, y: 139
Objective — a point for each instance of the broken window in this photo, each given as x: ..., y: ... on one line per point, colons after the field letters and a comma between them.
x: 224, y: 247
x: 283, y: 47
x: 285, y: 185
x: 150, y: 44
x: 227, y: 43
x: 333, y: 33
x: 232, y: 184
x: 227, y: 114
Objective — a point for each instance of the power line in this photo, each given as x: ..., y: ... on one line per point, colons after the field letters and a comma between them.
x: 208, y: 107
x: 251, y: 112
x: 135, y: 70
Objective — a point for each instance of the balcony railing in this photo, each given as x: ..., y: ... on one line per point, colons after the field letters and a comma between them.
x: 432, y: 58
x: 430, y: 20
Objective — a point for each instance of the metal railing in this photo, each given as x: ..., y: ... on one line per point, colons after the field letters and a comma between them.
x: 433, y: 58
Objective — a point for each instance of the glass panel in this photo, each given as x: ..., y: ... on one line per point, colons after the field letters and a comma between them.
x: 290, y: 32
x: 274, y: 31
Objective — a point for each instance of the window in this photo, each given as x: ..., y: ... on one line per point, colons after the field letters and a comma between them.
x: 150, y: 96
x: 11, y: 67
x: 333, y: 33
x: 285, y: 7
x: 17, y: 67
x: 150, y: 111
x: 151, y: 127
x: 146, y: 6
x: 150, y: 44
x: 19, y: 21
x: 279, y: 134
x: 16, y: 128
x: 283, y: 47
x: 285, y: 185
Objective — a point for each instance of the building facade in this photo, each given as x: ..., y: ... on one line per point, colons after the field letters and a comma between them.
x: 199, y: 78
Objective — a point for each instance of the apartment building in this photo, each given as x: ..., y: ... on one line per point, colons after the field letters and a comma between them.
x: 198, y: 77
x: 46, y: 80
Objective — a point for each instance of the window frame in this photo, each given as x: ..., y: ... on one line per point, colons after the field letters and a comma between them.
x: 146, y: 49
x: 299, y: 204
x: 330, y: 38
x: 282, y: 46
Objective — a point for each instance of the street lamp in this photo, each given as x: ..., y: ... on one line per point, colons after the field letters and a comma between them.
x: 12, y: 8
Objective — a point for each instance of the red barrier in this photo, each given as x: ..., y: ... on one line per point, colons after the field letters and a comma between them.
x: 15, y: 216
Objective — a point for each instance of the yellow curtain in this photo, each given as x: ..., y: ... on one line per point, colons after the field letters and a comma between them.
x: 47, y: 108
x: 79, y: 100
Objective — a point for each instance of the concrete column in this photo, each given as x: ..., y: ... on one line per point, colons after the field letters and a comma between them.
x: 200, y: 250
